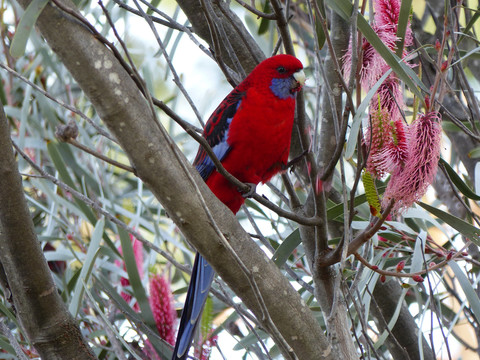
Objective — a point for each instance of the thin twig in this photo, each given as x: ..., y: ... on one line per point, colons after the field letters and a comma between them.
x: 253, y: 10
x: 458, y: 254
x: 5, y: 330
x: 100, y: 156
x: 170, y: 23
x: 283, y: 26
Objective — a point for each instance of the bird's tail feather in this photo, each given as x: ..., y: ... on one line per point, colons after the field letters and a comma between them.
x: 201, y: 280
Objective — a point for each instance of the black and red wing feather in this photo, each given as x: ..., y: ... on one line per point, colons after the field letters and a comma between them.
x: 216, y: 133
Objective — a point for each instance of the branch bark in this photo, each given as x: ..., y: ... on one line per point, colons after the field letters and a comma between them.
x: 403, y: 342
x: 245, y: 48
x: 326, y: 279
x: 204, y: 220
x: 48, y: 324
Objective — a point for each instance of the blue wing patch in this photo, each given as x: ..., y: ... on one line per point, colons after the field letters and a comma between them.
x: 216, y: 133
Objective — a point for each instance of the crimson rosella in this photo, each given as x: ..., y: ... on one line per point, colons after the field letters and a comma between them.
x: 249, y: 133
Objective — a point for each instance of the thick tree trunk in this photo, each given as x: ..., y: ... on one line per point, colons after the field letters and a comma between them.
x: 48, y: 324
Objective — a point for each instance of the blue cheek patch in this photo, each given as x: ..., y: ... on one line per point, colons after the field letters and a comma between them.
x: 281, y: 88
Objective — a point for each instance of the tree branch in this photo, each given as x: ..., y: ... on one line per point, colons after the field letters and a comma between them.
x: 162, y: 167
x: 36, y: 299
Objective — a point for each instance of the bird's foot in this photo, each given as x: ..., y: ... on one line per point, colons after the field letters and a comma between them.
x: 295, y: 160
x: 249, y: 193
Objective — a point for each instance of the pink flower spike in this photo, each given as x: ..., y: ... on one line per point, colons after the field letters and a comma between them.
x: 161, y: 303
x: 387, y: 132
x: 395, y: 151
x: 409, y: 184
x: 387, y: 14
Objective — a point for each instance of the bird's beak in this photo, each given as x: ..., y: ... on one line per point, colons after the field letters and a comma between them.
x: 299, y: 80
x: 300, y: 77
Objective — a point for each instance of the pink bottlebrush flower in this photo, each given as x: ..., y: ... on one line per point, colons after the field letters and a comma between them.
x: 161, y: 303
x: 375, y: 136
x: 372, y: 64
x: 390, y: 98
x: 386, y: 17
x: 387, y: 12
x: 385, y: 25
x: 138, y: 253
x: 386, y: 133
x: 409, y: 184
x: 394, y: 153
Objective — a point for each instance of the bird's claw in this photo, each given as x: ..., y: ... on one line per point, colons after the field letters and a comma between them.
x: 295, y: 160
x: 251, y: 191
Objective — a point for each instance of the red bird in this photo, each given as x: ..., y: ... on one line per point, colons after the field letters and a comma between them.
x: 249, y: 133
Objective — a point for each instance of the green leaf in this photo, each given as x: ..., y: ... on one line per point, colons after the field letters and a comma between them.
x: 134, y: 278
x: 264, y: 23
x: 154, y: 4
x: 417, y: 258
x: 318, y: 26
x: 54, y: 151
x: 470, y: 24
x: 475, y: 153
x: 256, y: 206
x: 7, y: 347
x: 6, y: 311
x: 87, y: 267
x: 466, y: 229
x: 457, y: 180
x: 25, y: 26
x: 467, y: 55
x: 207, y: 318
x: 250, y: 339
x: 112, y: 328
x: 469, y: 291
x: 403, y: 18
x: 286, y: 248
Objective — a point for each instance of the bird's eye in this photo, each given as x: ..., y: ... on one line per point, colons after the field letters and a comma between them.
x: 281, y: 70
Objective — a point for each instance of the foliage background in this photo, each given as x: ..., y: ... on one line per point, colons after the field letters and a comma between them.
x: 39, y: 94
